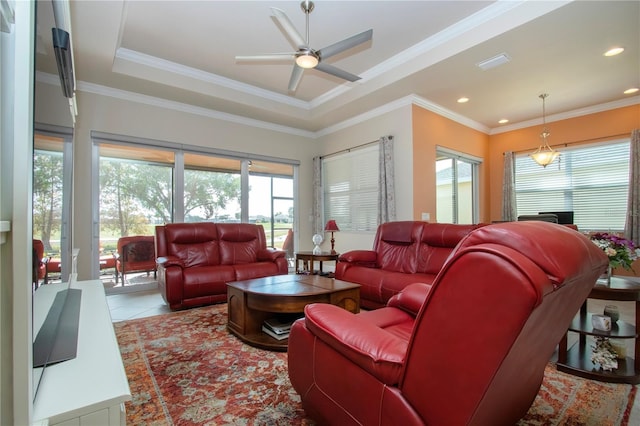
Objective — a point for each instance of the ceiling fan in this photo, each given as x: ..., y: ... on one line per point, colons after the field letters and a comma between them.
x: 306, y: 57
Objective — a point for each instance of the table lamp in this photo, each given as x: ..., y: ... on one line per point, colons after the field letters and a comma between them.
x: 332, y: 227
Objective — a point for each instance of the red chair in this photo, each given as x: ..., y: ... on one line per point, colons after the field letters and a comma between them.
x: 287, y: 247
x: 39, y: 271
x: 469, y: 349
x: 135, y: 254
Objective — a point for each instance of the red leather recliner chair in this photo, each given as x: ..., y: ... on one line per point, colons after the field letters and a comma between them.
x: 135, y: 254
x: 39, y: 271
x: 469, y: 349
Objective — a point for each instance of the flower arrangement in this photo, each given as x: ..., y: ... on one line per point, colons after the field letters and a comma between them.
x: 621, y: 252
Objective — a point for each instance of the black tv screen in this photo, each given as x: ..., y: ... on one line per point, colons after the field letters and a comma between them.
x: 564, y: 218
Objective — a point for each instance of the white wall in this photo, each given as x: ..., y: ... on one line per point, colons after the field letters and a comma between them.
x: 109, y: 114
x: 16, y: 153
x: 396, y: 123
x: 112, y: 115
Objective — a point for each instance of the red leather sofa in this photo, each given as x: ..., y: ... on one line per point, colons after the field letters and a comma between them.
x: 403, y: 252
x: 196, y: 260
x: 468, y: 349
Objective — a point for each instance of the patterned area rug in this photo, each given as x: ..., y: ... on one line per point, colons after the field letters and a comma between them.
x: 184, y: 368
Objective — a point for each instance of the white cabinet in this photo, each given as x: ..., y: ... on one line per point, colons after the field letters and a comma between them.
x: 92, y: 388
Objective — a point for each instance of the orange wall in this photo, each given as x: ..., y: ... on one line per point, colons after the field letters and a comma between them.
x: 429, y: 130
x: 586, y: 129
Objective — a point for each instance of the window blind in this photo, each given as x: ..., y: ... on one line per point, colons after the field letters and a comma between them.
x: 591, y: 181
x: 350, y: 182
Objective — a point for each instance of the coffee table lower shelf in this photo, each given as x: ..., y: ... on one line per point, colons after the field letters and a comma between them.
x: 262, y: 340
x: 579, y: 364
x: 251, y: 302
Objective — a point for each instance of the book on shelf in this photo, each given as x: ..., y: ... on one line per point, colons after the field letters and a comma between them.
x: 277, y: 326
x: 276, y: 336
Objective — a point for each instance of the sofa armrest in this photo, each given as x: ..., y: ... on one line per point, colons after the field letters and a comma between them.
x: 167, y: 261
x: 366, y: 258
x: 411, y: 298
x: 270, y: 254
x: 373, y: 349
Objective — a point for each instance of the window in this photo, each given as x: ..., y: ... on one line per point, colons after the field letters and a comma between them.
x: 52, y: 164
x: 592, y: 181
x: 350, y: 182
x: 456, y: 187
x: 142, y: 184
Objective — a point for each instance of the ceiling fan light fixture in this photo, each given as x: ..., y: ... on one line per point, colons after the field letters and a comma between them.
x: 307, y: 59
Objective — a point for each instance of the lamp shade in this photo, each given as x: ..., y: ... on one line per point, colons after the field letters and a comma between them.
x: 331, y: 226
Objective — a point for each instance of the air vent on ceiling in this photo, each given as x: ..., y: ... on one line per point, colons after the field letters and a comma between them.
x: 500, y: 59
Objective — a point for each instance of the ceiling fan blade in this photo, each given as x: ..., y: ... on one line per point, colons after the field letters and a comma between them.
x: 345, y: 44
x: 288, y: 27
x: 267, y: 57
x: 296, y: 75
x: 330, y: 69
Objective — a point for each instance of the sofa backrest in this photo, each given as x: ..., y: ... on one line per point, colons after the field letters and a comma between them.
x: 240, y: 242
x: 206, y: 243
x: 492, y: 321
x: 417, y: 247
x: 195, y: 244
x: 396, y: 244
x: 437, y: 242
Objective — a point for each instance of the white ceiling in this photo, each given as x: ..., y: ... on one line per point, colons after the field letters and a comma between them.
x: 426, y: 51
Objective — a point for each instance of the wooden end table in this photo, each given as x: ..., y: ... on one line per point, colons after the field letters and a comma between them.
x: 251, y: 302
x: 577, y: 359
x: 308, y: 257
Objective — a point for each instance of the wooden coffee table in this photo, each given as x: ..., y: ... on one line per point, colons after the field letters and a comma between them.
x: 251, y: 302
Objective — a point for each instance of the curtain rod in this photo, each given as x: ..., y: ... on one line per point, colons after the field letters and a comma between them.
x: 353, y: 147
x: 565, y: 144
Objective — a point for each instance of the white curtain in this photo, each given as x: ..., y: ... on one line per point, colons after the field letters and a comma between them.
x: 387, y: 199
x: 318, y: 194
x: 509, y: 210
x: 632, y: 225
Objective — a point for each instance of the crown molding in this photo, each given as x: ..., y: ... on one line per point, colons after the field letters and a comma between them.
x: 141, y: 59
x: 376, y: 112
x: 593, y: 109
x: 371, y: 114
x: 444, y: 112
x: 189, y: 109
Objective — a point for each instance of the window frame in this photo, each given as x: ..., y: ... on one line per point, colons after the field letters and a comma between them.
x: 179, y: 150
x: 474, y: 162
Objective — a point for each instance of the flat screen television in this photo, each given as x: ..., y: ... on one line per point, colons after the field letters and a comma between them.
x: 564, y: 218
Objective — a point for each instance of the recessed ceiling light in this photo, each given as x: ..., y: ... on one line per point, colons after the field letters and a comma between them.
x: 630, y: 91
x: 614, y: 51
x: 463, y: 100
x: 503, y: 121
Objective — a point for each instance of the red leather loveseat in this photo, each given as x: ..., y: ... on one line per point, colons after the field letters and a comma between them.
x: 196, y: 260
x: 403, y: 252
x: 468, y: 349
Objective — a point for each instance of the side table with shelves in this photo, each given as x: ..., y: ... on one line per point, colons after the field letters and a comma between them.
x: 577, y: 359
x: 308, y: 258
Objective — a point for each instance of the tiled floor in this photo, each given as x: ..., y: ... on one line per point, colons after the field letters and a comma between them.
x: 139, y: 304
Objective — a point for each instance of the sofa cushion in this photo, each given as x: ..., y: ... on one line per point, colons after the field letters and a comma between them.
x: 396, y: 245
x: 249, y: 271
x: 437, y: 242
x: 239, y: 243
x: 193, y: 245
x: 206, y: 280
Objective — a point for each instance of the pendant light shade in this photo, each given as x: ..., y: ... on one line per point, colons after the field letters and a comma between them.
x: 544, y: 155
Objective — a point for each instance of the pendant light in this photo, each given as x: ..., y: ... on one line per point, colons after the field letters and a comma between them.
x: 544, y: 155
